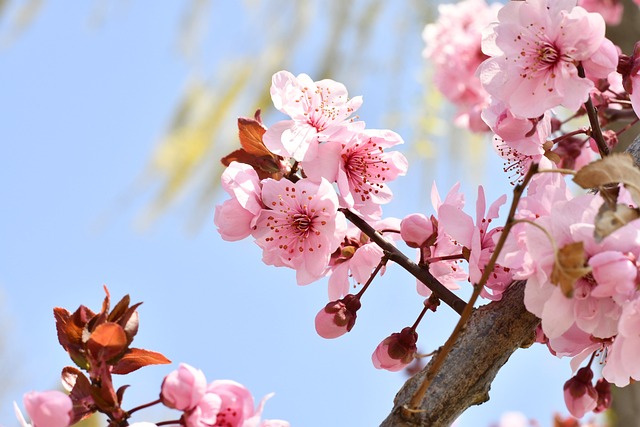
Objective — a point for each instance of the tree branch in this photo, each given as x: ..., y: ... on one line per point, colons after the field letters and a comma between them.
x: 492, y: 334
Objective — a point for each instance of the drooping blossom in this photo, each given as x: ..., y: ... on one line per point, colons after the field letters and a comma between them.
x: 183, y: 388
x: 46, y: 409
x: 453, y: 47
x: 526, y: 136
x: 205, y: 413
x: 337, y: 317
x: 396, y: 351
x: 300, y: 226
x: 236, y: 217
x: 535, y: 49
x: 318, y: 110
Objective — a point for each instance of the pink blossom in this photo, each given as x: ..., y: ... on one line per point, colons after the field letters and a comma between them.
x: 318, y: 110
x: 535, y: 48
x: 622, y: 358
x: 415, y: 229
x: 183, y: 388
x: 205, y: 413
x: 478, y: 240
x: 300, y: 227
x: 614, y: 272
x: 603, y: 62
x: 527, y: 136
x: 47, y: 409
x: 337, y: 317
x: 361, y: 166
x: 357, y: 256
x: 236, y: 409
x: 579, y: 394
x: 236, y: 217
x: 453, y: 47
x: 396, y: 351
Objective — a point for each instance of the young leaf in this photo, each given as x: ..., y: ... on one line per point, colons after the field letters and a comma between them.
x: 136, y: 358
x: 107, y: 341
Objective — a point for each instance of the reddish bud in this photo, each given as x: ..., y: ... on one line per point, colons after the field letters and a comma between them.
x: 338, y: 317
x: 579, y: 394
x: 603, y: 387
x: 396, y: 351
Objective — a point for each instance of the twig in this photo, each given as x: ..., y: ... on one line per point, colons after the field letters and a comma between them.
x: 477, y: 288
x: 394, y: 254
x: 596, y: 132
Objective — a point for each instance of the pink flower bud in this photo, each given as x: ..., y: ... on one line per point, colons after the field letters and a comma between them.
x: 396, y: 351
x: 48, y: 408
x: 338, y: 317
x: 183, y: 388
x: 415, y: 229
x: 603, y: 387
x: 579, y: 394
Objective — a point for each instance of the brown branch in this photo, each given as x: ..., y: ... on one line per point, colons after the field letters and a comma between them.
x: 596, y: 132
x: 394, y: 254
x: 492, y: 334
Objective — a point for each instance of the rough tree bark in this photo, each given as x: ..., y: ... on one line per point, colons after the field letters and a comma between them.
x: 492, y: 334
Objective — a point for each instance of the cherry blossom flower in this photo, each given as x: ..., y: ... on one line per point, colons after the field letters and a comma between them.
x: 300, y: 227
x: 361, y: 166
x: 236, y: 217
x: 205, y: 413
x: 318, y: 110
x: 396, y: 351
x: 535, y: 49
x: 46, y: 409
x: 183, y: 388
x: 236, y: 409
x: 622, y: 359
x: 356, y: 257
x: 478, y: 240
x: 453, y: 47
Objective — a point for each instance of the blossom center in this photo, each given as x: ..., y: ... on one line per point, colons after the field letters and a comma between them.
x: 302, y: 222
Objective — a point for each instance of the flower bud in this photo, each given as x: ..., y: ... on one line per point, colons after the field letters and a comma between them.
x: 396, y: 351
x: 183, y: 388
x: 603, y: 387
x: 579, y: 394
x: 48, y: 408
x: 415, y: 229
x: 338, y: 317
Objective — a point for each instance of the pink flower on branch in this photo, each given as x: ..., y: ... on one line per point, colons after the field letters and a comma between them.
x: 300, y: 227
x: 183, y: 388
x: 535, y: 49
x: 396, y: 351
x: 318, y: 110
x: 46, y: 409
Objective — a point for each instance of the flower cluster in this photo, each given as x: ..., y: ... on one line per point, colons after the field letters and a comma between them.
x: 99, y: 344
x: 220, y: 403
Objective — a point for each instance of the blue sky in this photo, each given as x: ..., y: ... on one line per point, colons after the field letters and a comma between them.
x: 82, y: 108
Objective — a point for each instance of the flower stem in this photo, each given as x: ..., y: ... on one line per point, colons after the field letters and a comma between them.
x: 146, y: 405
x: 596, y: 132
x: 394, y: 254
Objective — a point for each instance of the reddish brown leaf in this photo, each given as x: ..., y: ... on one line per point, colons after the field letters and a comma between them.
x: 250, y: 133
x: 129, y: 322
x: 136, y: 358
x: 107, y: 341
x: 120, y: 308
x: 81, y: 394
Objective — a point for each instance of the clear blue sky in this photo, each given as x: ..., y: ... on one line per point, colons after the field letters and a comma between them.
x: 81, y: 111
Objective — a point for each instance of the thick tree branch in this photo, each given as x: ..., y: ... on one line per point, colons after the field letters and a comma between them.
x: 492, y: 334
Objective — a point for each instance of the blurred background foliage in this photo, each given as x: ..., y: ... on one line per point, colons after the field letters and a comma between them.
x: 356, y: 42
